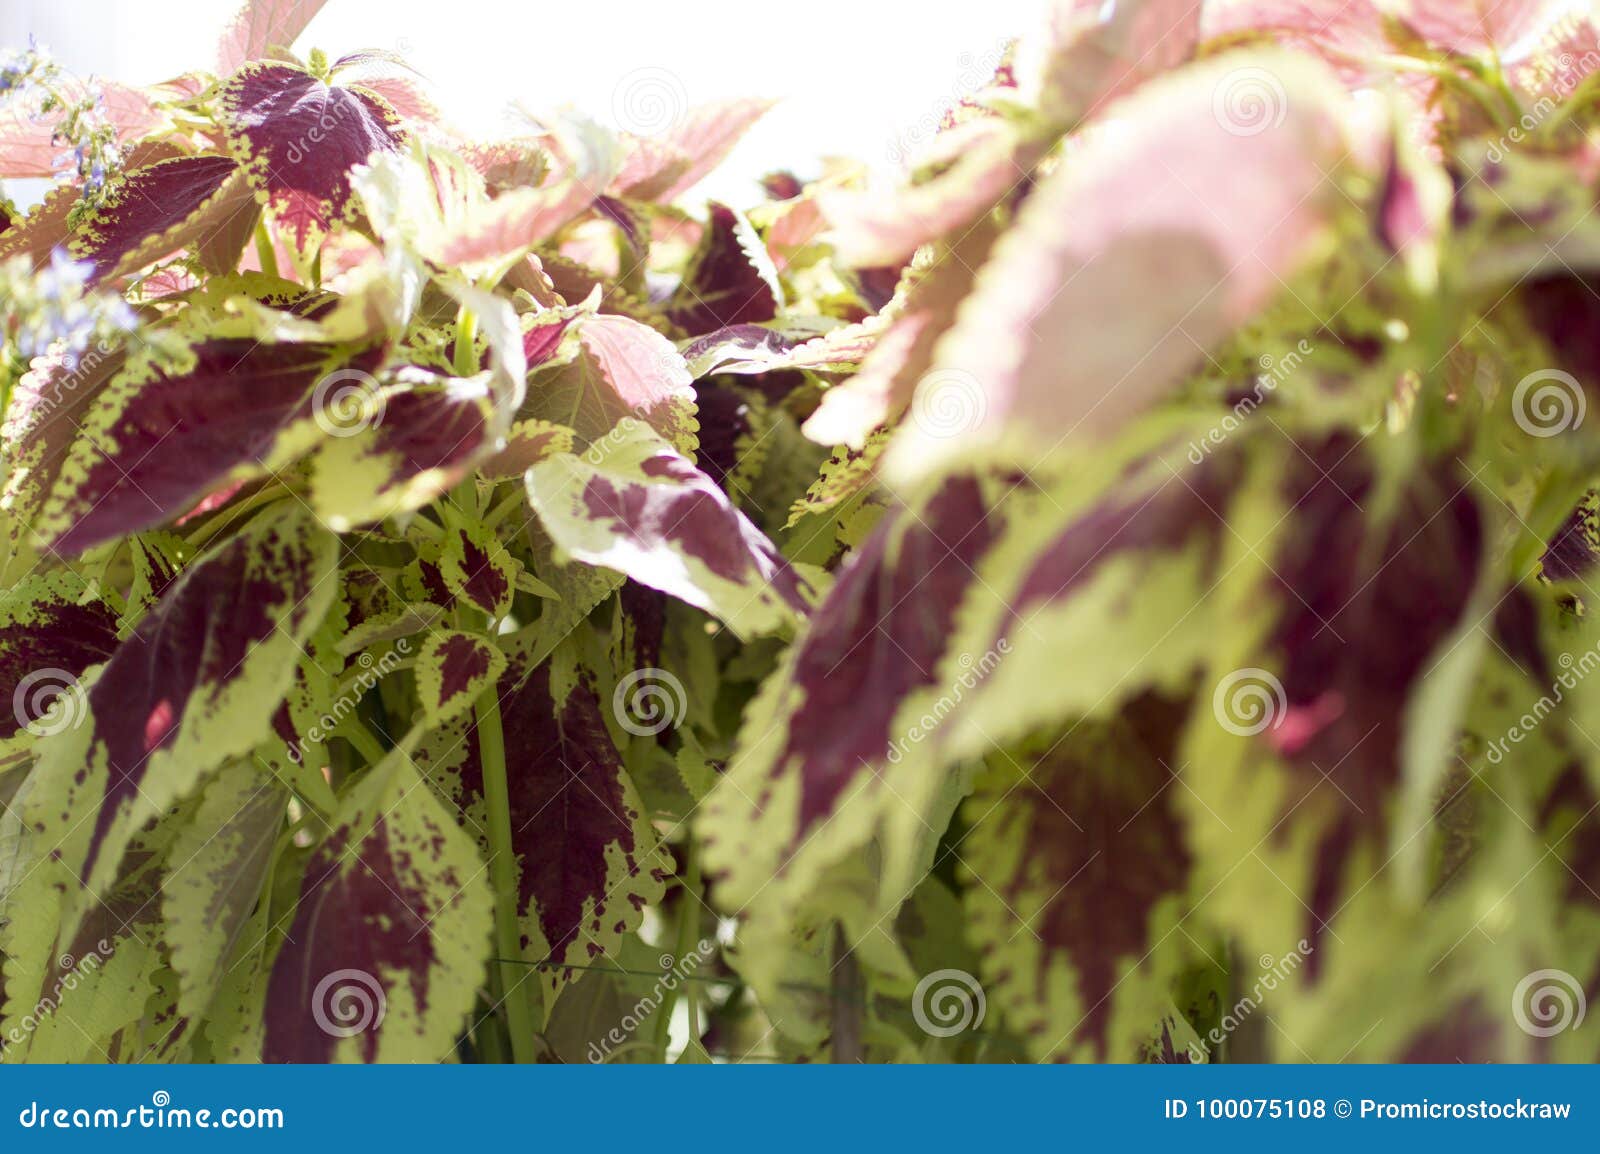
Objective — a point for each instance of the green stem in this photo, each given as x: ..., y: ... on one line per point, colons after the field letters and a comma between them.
x: 1558, y: 494
x: 366, y: 745
x: 509, y: 986
x: 265, y: 254
x: 500, y: 512
x: 688, y: 940
x: 491, y: 1045
x: 426, y: 527
x: 233, y: 514
x: 466, y: 354
x: 689, y: 934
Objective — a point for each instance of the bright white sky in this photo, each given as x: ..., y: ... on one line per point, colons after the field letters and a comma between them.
x: 855, y: 76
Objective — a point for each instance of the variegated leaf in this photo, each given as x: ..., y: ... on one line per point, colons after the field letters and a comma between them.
x: 195, y: 684
x: 636, y: 505
x: 390, y: 936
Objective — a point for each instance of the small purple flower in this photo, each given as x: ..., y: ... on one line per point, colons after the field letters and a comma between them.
x: 64, y: 271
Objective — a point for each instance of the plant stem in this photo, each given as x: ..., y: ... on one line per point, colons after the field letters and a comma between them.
x: 689, y: 934
x: 366, y: 745
x: 265, y: 255
x: 466, y: 352
x: 688, y: 927
x: 1558, y: 494
x: 503, y: 876
x: 848, y: 1002
x: 508, y: 505
x: 491, y: 1046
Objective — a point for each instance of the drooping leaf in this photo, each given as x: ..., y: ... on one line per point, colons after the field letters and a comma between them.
x: 730, y: 279
x: 662, y: 168
x: 436, y: 204
x: 826, y: 723
x: 412, y: 443
x: 44, y: 228
x: 1122, y: 578
x: 45, y: 410
x: 52, y: 628
x: 262, y: 24
x: 478, y: 569
x: 1072, y: 330
x: 528, y: 443
x: 1084, y: 877
x: 635, y: 505
x: 1096, y: 58
x: 901, y: 357
x: 214, y: 875
x: 583, y: 159
x: 1310, y: 719
x: 988, y: 160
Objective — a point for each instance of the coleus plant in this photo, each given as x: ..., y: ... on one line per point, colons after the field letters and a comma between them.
x: 1135, y: 570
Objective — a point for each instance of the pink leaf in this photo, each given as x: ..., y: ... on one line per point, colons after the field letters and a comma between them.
x: 26, y: 145
x: 1163, y: 233
x: 260, y: 25
x: 665, y: 167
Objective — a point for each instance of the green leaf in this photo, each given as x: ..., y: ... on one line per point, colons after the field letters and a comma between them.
x: 214, y: 876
